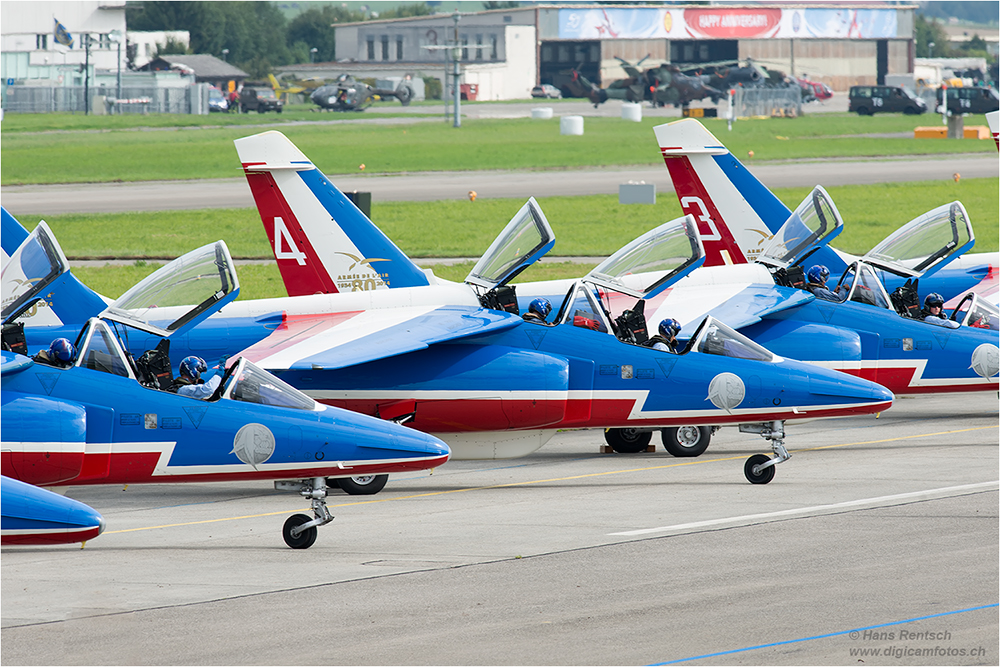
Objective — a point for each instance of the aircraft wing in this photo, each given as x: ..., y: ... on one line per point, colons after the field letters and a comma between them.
x: 341, y: 340
x: 738, y: 295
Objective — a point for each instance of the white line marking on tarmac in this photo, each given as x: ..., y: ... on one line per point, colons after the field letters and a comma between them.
x: 818, y: 509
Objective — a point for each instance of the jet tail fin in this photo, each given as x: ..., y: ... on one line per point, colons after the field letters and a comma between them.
x: 321, y: 241
x: 736, y: 213
x: 67, y: 300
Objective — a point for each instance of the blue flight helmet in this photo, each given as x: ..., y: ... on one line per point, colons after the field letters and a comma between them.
x: 818, y: 274
x: 669, y: 328
x: 62, y: 350
x: 933, y: 299
x: 541, y: 307
x: 193, y: 367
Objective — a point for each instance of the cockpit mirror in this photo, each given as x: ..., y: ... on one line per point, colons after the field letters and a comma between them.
x: 525, y: 239
x: 812, y: 225
x: 926, y: 244
x: 181, y: 294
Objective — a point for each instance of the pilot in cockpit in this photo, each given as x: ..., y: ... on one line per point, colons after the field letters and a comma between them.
x: 189, y: 382
x: 538, y: 310
x: 817, y: 275
x: 666, y: 340
x: 933, y: 311
x: 60, y: 354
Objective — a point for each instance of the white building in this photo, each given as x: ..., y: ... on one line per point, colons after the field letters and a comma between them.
x: 30, y: 54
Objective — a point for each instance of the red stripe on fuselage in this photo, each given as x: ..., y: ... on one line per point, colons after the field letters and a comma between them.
x: 308, y: 277
x: 689, y: 186
x: 465, y: 415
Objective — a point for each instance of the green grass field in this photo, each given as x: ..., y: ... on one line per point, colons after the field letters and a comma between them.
x: 115, y: 154
x: 51, y: 148
x: 591, y: 226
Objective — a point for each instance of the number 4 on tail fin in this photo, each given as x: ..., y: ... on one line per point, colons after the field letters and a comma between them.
x: 321, y: 241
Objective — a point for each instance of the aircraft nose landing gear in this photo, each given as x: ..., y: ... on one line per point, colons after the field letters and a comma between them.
x: 759, y: 468
x: 299, y: 530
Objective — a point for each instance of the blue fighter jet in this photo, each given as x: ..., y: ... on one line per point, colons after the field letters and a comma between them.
x: 109, y: 417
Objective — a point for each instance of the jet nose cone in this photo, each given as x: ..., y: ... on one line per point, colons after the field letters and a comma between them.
x: 417, y: 441
x: 842, y: 385
x: 101, y: 525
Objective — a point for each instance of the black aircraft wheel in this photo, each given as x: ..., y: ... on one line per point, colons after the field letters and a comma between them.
x: 305, y: 539
x: 762, y: 477
x: 362, y: 485
x: 686, y: 441
x: 627, y: 440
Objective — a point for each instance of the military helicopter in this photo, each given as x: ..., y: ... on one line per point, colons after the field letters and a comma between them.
x: 349, y: 94
x: 661, y: 85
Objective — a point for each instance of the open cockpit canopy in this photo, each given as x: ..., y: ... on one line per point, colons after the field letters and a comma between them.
x: 36, y: 263
x: 204, y: 277
x: 812, y: 225
x: 652, y: 262
x: 525, y: 239
x: 926, y: 244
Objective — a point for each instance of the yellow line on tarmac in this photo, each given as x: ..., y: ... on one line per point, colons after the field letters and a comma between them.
x: 544, y: 481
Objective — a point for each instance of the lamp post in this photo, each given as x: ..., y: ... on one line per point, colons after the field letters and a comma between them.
x: 312, y: 54
x: 117, y: 37
x: 456, y: 53
x: 225, y: 55
x: 930, y: 47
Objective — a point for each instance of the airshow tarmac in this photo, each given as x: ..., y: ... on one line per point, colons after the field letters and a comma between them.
x: 877, y: 535
x: 877, y: 543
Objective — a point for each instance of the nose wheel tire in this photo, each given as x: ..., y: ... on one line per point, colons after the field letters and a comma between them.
x: 686, y: 441
x: 627, y: 440
x: 762, y: 476
x: 362, y: 485
x: 302, y: 540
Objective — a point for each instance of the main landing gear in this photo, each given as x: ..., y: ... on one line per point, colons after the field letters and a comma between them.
x: 300, y: 531
x: 759, y: 468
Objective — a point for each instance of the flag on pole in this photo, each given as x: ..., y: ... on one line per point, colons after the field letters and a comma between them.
x: 62, y: 35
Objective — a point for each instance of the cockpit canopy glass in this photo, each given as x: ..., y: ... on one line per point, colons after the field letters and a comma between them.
x: 974, y: 311
x: 653, y: 261
x: 252, y: 384
x: 202, y: 279
x: 525, y: 238
x: 714, y: 337
x: 861, y: 284
x: 925, y: 244
x: 34, y: 265
x: 582, y: 308
x: 814, y: 223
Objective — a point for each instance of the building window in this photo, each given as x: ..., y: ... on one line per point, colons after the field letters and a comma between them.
x: 465, y: 48
x: 493, y: 47
x: 479, y: 47
x: 371, y: 48
x: 399, y: 48
x: 104, y: 41
x: 385, y: 47
x: 41, y: 42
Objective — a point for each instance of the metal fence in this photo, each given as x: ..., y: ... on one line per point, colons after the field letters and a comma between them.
x: 782, y: 102
x: 104, y: 100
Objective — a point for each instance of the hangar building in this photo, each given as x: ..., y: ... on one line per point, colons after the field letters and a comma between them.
x: 504, y: 53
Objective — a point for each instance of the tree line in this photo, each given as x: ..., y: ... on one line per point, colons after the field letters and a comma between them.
x: 256, y: 35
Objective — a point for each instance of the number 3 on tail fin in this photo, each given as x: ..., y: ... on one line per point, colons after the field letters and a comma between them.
x: 702, y: 216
